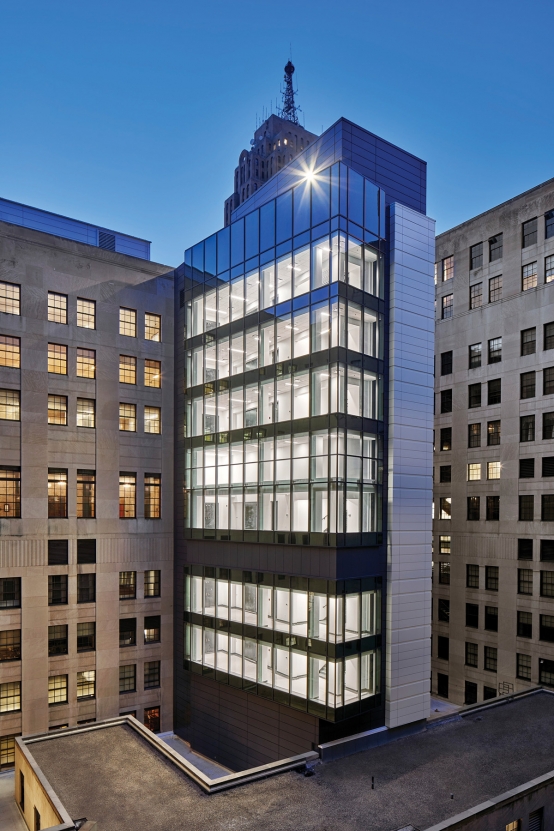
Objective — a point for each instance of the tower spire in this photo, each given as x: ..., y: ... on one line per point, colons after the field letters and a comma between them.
x: 289, y: 110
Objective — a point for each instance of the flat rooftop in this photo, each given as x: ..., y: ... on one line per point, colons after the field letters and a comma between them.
x: 117, y: 778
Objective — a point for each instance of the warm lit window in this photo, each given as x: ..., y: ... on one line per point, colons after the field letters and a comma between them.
x: 152, y: 373
x: 152, y: 718
x: 152, y: 583
x: 127, y: 678
x: 57, y: 307
x: 86, y: 637
x: 10, y: 645
x: 495, y: 289
x: 57, y: 689
x: 473, y: 472
x: 127, y: 369
x: 86, y: 313
x: 10, y: 298
x: 57, y: 358
x: 127, y: 495
x: 493, y: 433
x: 10, y: 492
x: 7, y: 752
x: 127, y: 585
x: 493, y: 470
x: 10, y: 351
x: 445, y: 507
x: 128, y: 322
x: 447, y: 268
x: 57, y: 493
x: 152, y: 489
x: 152, y: 420
x: 57, y: 409
x: 152, y: 629
x: 86, y: 494
x: 152, y: 327
x: 151, y: 674
x: 86, y: 363
x: 9, y: 405
x: 529, y: 276
x: 128, y: 417
x: 86, y: 412
x: 10, y: 696
x: 86, y: 682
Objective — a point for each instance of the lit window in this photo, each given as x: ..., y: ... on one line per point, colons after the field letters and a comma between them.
x: 10, y: 351
x: 128, y: 322
x: 10, y: 492
x: 10, y: 645
x: 447, y: 268
x: 9, y: 405
x: 127, y: 495
x: 127, y: 585
x: 86, y: 494
x: 86, y: 363
x: 152, y: 420
x: 128, y: 417
x: 86, y: 313
x: 57, y: 493
x: 152, y: 583
x: 549, y: 268
x: 445, y: 507
x: 127, y: 369
x: 152, y: 718
x: 10, y: 298
x: 57, y: 409
x: 445, y: 542
x: 152, y: 373
x: 7, y: 752
x: 152, y: 327
x: 57, y: 689
x: 128, y: 678
x: 529, y: 276
x: 86, y: 412
x: 493, y: 470
x: 152, y: 629
x: 473, y: 472
x: 57, y: 307
x: 10, y: 696
x: 86, y: 684
x: 57, y: 358
x: 152, y: 489
x: 447, y: 306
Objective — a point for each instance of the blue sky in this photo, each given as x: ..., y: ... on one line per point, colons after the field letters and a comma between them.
x: 132, y: 114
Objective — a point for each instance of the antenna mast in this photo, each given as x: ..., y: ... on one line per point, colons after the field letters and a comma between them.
x: 289, y: 110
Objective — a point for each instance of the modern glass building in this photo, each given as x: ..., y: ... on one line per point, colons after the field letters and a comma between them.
x: 304, y: 452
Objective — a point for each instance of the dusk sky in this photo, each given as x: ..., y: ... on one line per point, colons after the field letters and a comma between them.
x: 131, y: 115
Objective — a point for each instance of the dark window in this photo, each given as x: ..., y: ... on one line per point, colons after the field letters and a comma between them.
x: 152, y: 718
x: 495, y: 289
x: 447, y: 307
x: 529, y: 233
x: 151, y: 674
x: 546, y: 672
x: 489, y: 692
x: 86, y: 637
x: 548, y: 381
x: 495, y: 350
x: 474, y: 435
x: 57, y: 640
x: 152, y: 630
x: 473, y: 508
x: 536, y: 820
x: 472, y: 576
x: 547, y: 507
x: 491, y: 618
x: 476, y: 256
x: 474, y: 395
x: 444, y: 574
x: 528, y: 341
x: 10, y: 592
x: 58, y: 552
x: 548, y: 466
x: 494, y: 391
x: 472, y: 615
x: 549, y: 224
x: 470, y: 696
x: 527, y: 428
x: 526, y: 468
x: 446, y: 438
x: 491, y: 578
x: 547, y: 551
x: 128, y: 631
x: 491, y: 660
x: 442, y: 685
x: 86, y: 588
x: 445, y: 474
x: 127, y: 678
x: 525, y: 549
x: 493, y: 433
x: 548, y: 426
x: 10, y: 645
x: 524, y: 625
x: 475, y: 356
x: 472, y: 655
x: 57, y: 589
x: 493, y: 508
x: 476, y: 296
x: 495, y: 248
x: 527, y: 385
x: 523, y: 667
x: 446, y: 401
x: 546, y: 630
x: 526, y: 507
x: 127, y: 585
x: 524, y: 581
x: 444, y: 609
x: 443, y: 648
x: 549, y: 336
x: 446, y: 363
x: 86, y: 552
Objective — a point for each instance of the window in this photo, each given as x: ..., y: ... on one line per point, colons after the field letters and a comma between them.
x: 127, y: 585
x: 470, y: 695
x: 529, y: 236
x: 128, y: 631
x: 57, y: 640
x: 152, y: 583
x: 152, y: 327
x: 549, y: 269
x: 127, y: 678
x: 444, y: 574
x: 445, y: 474
x: 476, y: 296
x: 491, y: 618
x: 476, y: 256
x: 128, y: 322
x: 493, y: 508
x: 128, y: 417
x: 525, y: 549
x: 548, y: 381
x: 547, y: 551
x: 86, y: 313
x: 86, y: 552
x: 474, y: 395
x: 548, y: 426
x: 493, y: 433
x: 10, y: 351
x: 86, y: 412
x: 86, y: 588
x: 446, y: 438
x: 127, y: 369
x: 58, y: 552
x: 495, y: 248
x: 547, y: 507
x: 57, y: 307
x: 86, y: 637
x: 527, y: 385
x: 495, y: 289
x: 10, y: 645
x: 10, y: 592
x: 491, y: 659
x: 475, y: 356
x: 57, y: 493
x: 86, y: 494
x: 10, y: 492
x: 529, y: 276
x: 472, y: 615
x: 472, y: 655
x: 474, y: 435
x: 7, y: 752
x: 548, y: 466
x: 57, y: 689
x: 526, y: 507
x: 447, y: 268
x: 57, y: 409
x: 152, y: 629
x: 529, y: 341
x: 445, y: 507
x: 152, y: 420
x: 474, y: 471
x: 57, y: 589
x: 524, y: 581
x: 549, y: 224
x: 527, y: 428
x: 127, y: 495
x: 493, y: 470
x: 444, y: 544
x: 489, y: 692
x: 10, y: 298
x: 524, y: 625
x: 446, y: 308
x: 549, y: 336
x: 523, y: 666
x: 444, y: 609
x: 494, y: 391
x: 443, y: 648
x: 495, y: 350
x: 491, y: 578
x: 57, y: 359
x: 446, y: 363
x: 546, y: 675
x: 152, y: 718
x: 9, y: 405
x: 152, y: 495
x: 86, y: 363
x: 152, y: 373
x: 151, y: 674
x: 446, y: 401
x: 86, y: 684
x: 473, y: 508
x: 442, y: 685
x: 546, y: 630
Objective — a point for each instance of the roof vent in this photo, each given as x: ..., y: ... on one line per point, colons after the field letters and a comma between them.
x: 106, y: 241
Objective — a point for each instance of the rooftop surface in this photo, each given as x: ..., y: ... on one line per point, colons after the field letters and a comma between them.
x: 115, y: 777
